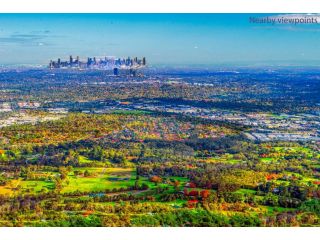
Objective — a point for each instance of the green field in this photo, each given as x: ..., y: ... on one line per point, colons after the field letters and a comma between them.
x: 100, y: 180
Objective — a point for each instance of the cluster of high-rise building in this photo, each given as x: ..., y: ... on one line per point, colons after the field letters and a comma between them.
x: 101, y: 63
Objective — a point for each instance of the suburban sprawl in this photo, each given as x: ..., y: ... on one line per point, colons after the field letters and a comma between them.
x: 159, y: 146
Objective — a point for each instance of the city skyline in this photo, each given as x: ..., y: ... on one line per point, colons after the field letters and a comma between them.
x: 165, y: 39
x: 105, y: 62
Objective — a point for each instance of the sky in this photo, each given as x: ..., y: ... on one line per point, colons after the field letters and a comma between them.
x: 164, y: 39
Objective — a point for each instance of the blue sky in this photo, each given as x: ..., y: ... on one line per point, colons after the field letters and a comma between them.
x: 177, y: 39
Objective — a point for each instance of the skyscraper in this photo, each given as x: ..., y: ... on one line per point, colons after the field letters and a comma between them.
x: 115, y: 71
x: 101, y: 63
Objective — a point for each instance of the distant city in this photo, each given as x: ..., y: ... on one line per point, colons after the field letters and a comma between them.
x: 106, y: 63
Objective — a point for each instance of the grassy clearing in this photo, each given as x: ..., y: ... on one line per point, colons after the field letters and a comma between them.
x: 83, y: 159
x: 272, y: 210
x: 36, y: 186
x: 5, y: 191
x: 246, y: 191
x: 100, y: 179
x: 266, y: 159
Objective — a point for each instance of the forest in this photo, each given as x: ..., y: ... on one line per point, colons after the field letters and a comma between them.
x: 151, y: 169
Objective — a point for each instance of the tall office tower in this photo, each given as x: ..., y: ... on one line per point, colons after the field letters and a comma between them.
x: 59, y: 62
x: 71, y: 59
x: 77, y: 59
x: 135, y: 59
x: 132, y: 72
x: 144, y: 61
x: 50, y: 64
x: 115, y: 71
x: 94, y: 60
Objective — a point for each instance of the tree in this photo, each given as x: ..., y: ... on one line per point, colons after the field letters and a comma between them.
x: 58, y: 184
x: 176, y: 185
x: 156, y: 179
x: 205, y: 194
x: 86, y: 173
x: 63, y: 173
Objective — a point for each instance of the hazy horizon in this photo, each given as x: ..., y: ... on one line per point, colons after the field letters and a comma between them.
x: 164, y: 39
